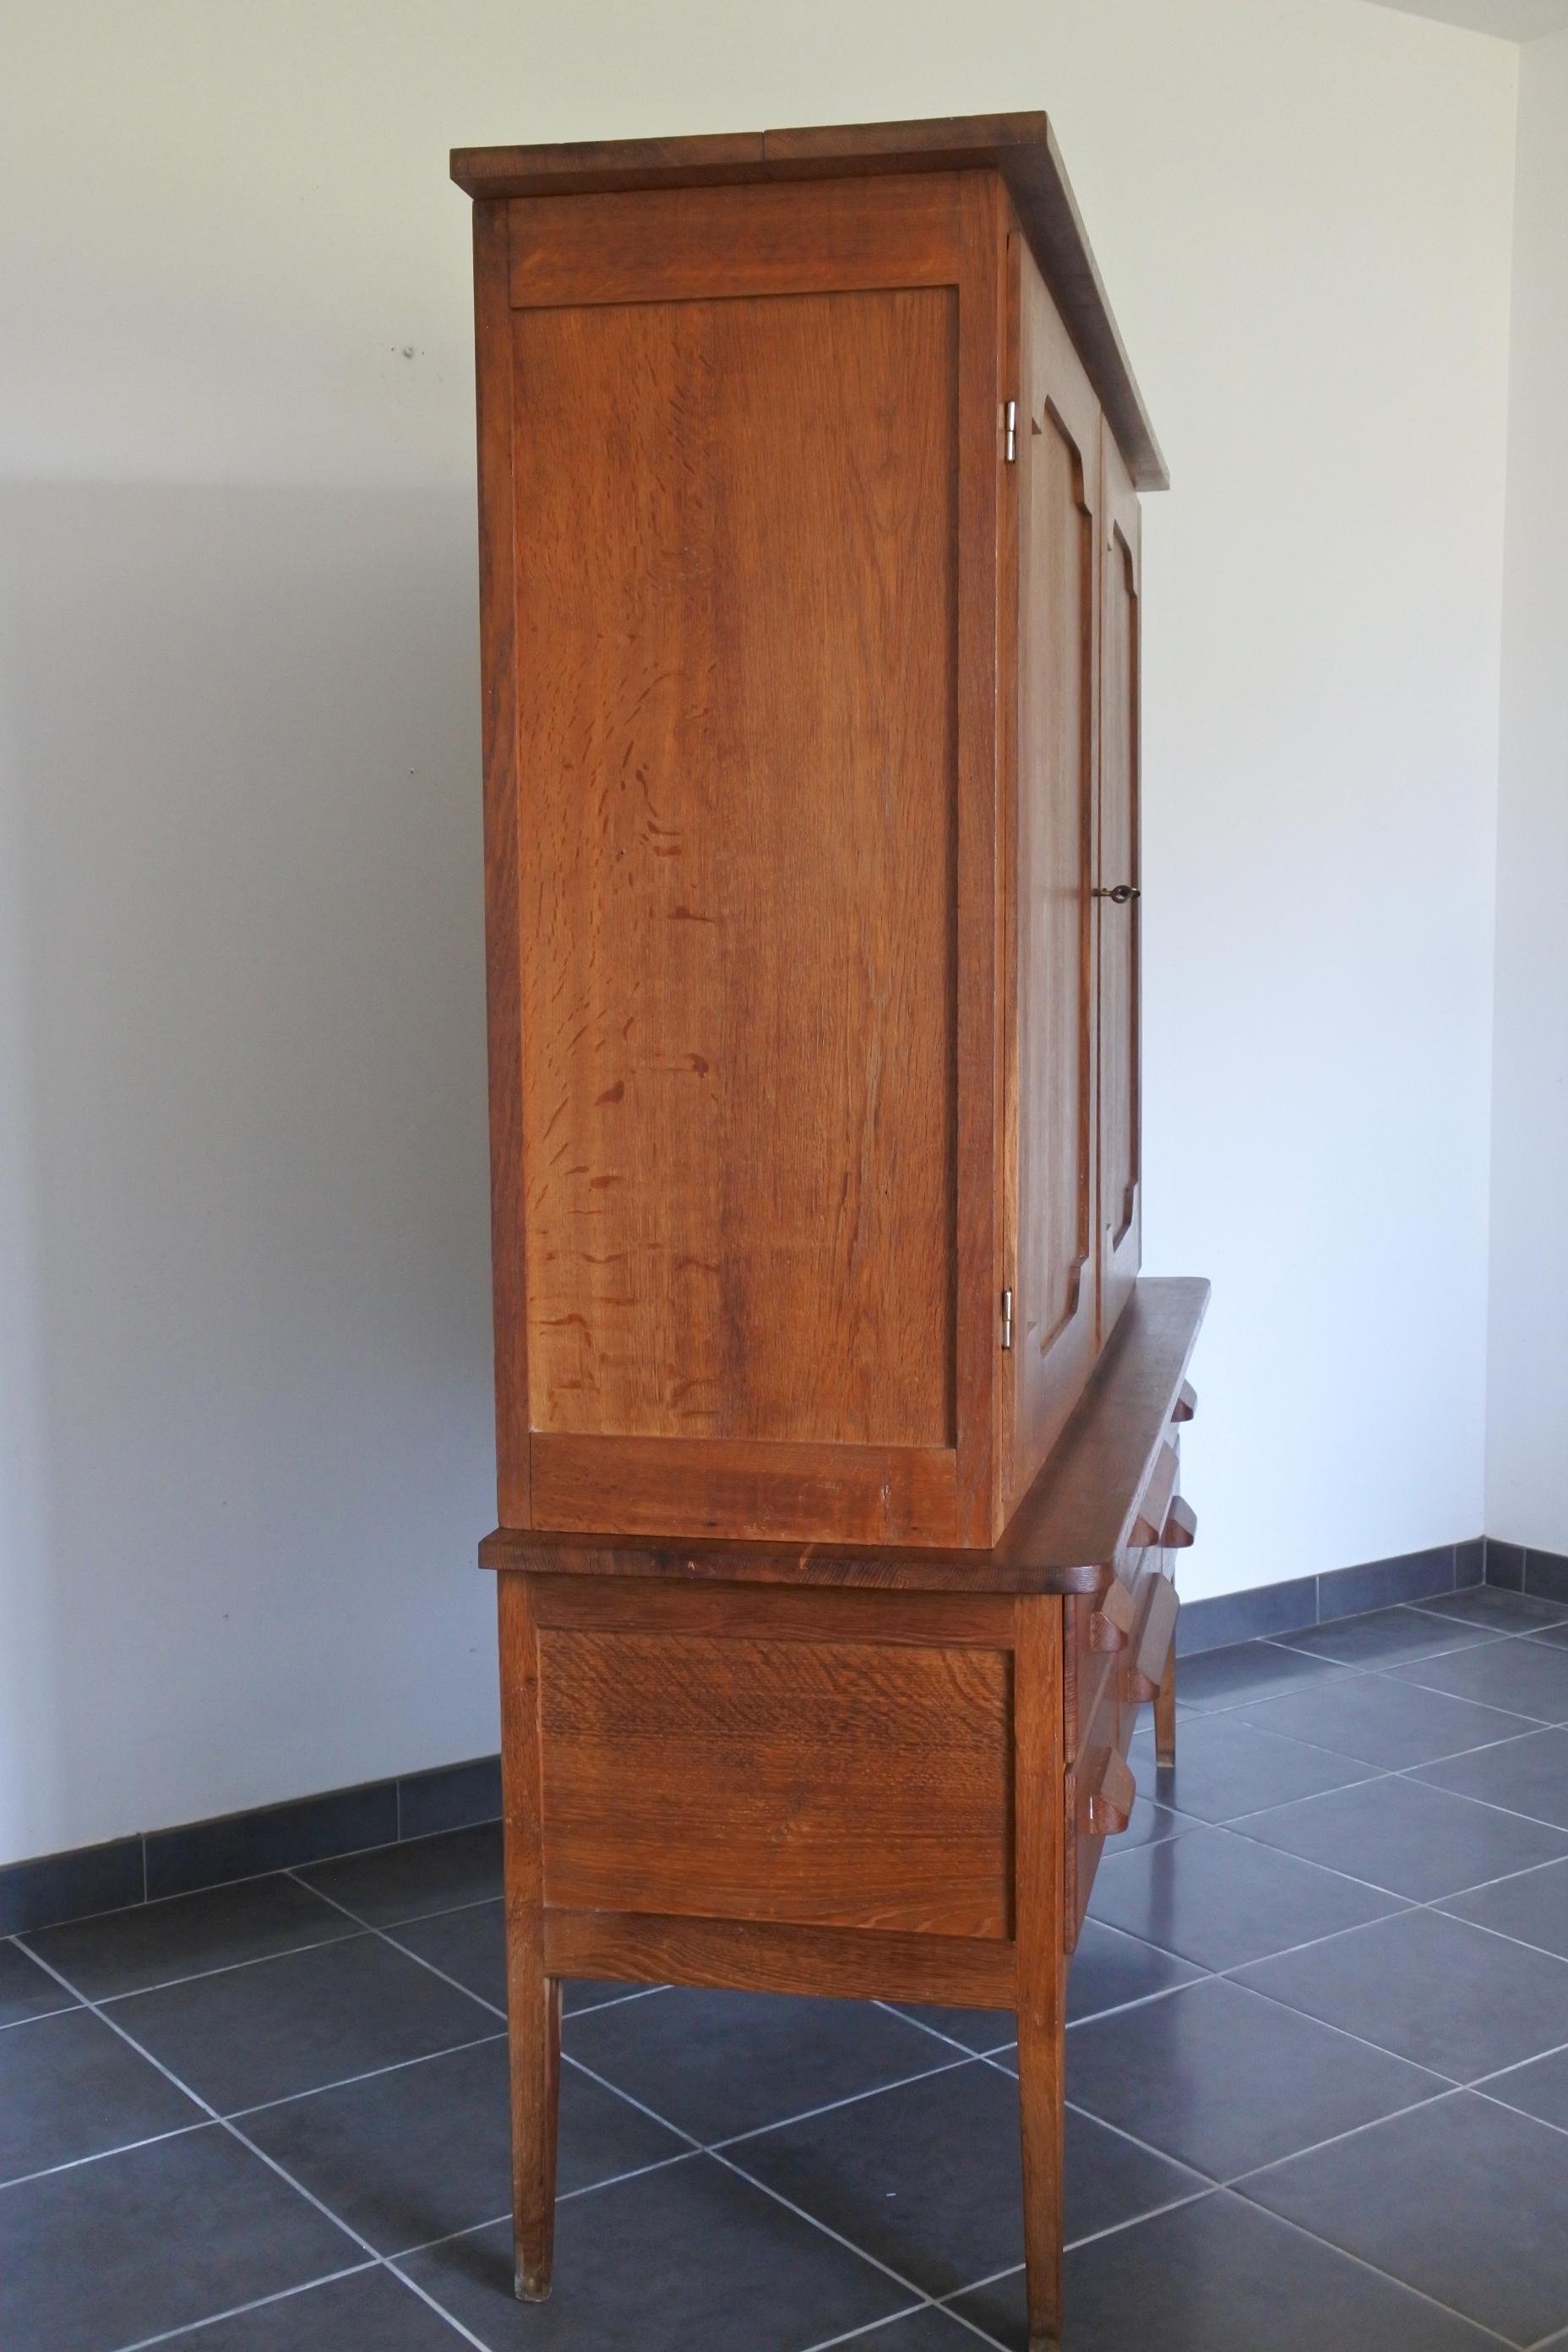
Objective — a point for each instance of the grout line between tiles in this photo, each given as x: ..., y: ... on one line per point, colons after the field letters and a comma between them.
x: 367, y: 2074
x: 1360, y: 2262
x: 100, y: 2155
x: 239, y: 2310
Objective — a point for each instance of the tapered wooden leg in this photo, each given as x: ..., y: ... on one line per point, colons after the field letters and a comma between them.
x: 1041, y: 1829
x: 533, y: 2000
x: 1165, y: 1716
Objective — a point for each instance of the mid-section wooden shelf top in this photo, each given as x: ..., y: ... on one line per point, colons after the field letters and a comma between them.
x: 1019, y: 147
x: 1073, y: 1521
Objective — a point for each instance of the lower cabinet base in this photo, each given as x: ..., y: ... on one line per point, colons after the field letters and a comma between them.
x: 799, y: 1791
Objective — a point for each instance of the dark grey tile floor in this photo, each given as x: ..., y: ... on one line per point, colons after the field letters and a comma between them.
x: 1318, y: 2075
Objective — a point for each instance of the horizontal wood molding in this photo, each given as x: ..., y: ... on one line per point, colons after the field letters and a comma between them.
x: 759, y: 1956
x: 812, y: 1493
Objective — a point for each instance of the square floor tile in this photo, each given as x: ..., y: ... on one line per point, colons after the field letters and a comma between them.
x: 157, y: 2237
x: 1224, y: 1767
x: 1528, y: 1677
x: 1220, y: 2276
x: 154, y: 1943
x: 1434, y: 1989
x: 1384, y: 1637
x: 1462, y: 2199
x: 1555, y: 1636
x: 70, y: 2088
x: 369, y: 2311
x: 1534, y: 1906
x: 394, y: 1883
x: 926, y: 2330
x: 279, y: 2027
x: 1412, y: 1840
x: 1529, y: 1775
x: 1111, y: 1969
x: 687, y: 2259
x: 1249, y: 1670
x: 1224, y: 2079
x: 715, y: 2063
x: 1538, y: 2089
x: 926, y: 2178
x: 425, y: 2150
x: 1219, y: 1899
x: 25, y: 1989
x: 1502, y: 1611
x: 1381, y: 1721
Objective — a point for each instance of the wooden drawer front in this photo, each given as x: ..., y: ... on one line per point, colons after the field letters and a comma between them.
x: 1106, y: 1737
x: 847, y: 1783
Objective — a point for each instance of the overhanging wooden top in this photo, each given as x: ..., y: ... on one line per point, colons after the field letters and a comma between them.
x: 1021, y: 147
x: 1066, y: 1532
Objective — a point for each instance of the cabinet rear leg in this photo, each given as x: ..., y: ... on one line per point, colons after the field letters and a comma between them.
x: 1165, y: 1716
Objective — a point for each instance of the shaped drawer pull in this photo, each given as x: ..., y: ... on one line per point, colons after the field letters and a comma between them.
x: 1155, y: 1500
x: 1112, y: 1621
x: 1181, y: 1526
x: 1111, y: 1805
x: 1186, y: 1402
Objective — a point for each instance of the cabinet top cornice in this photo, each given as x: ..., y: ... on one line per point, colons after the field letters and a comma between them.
x: 1019, y: 147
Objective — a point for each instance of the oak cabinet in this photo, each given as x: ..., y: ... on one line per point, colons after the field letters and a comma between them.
x: 810, y: 626
x: 835, y: 1427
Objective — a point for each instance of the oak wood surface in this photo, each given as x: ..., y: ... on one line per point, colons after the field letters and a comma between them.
x: 1041, y: 1997
x: 1020, y: 147
x: 498, y: 626
x: 1050, y: 998
x: 762, y: 1955
x: 830, y: 1784
x: 534, y: 1989
x: 1118, y: 865
x: 1073, y: 1522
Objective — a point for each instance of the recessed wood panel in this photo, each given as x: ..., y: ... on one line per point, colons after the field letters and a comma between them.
x: 1121, y: 927
x: 736, y: 598
x: 1052, y: 1062
x: 834, y: 1783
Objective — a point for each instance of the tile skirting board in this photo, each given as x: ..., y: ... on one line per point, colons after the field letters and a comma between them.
x: 181, y: 1860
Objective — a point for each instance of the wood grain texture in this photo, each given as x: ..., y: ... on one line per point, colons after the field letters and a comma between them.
x: 697, y: 1486
x: 773, y: 1612
x: 1075, y: 1520
x: 1051, y: 999
x: 498, y: 661
x: 1156, y: 1635
x: 759, y: 1956
x: 683, y: 244
x: 1041, y: 1965
x: 1155, y: 1502
x: 1121, y: 927
x: 1020, y: 147
x: 533, y: 1991
x: 829, y: 1783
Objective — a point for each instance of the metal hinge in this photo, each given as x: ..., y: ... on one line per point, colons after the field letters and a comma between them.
x: 1007, y: 1318
x: 1010, y: 426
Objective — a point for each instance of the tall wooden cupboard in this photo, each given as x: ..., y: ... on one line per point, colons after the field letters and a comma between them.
x: 810, y: 576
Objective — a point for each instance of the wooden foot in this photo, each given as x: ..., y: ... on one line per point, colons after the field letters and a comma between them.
x: 1041, y: 1962
x: 1166, y: 1716
x: 533, y: 2000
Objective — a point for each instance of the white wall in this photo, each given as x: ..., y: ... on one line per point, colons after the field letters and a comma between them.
x: 242, y: 1196
x: 1527, y: 1457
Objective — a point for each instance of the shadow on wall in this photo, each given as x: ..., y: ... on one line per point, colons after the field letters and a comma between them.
x: 245, y: 1413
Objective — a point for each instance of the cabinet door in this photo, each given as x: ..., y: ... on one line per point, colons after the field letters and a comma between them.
x: 1118, y: 919
x: 753, y: 430
x: 1051, y: 1047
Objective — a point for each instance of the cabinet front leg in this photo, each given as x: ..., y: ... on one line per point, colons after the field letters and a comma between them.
x: 1041, y: 1829
x: 533, y: 1998
x: 1165, y: 1716
x: 534, y: 2001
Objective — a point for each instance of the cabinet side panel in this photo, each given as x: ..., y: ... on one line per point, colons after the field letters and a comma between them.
x: 831, y: 1782
x: 1120, y: 926
x: 1053, y: 1071
x: 737, y: 604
